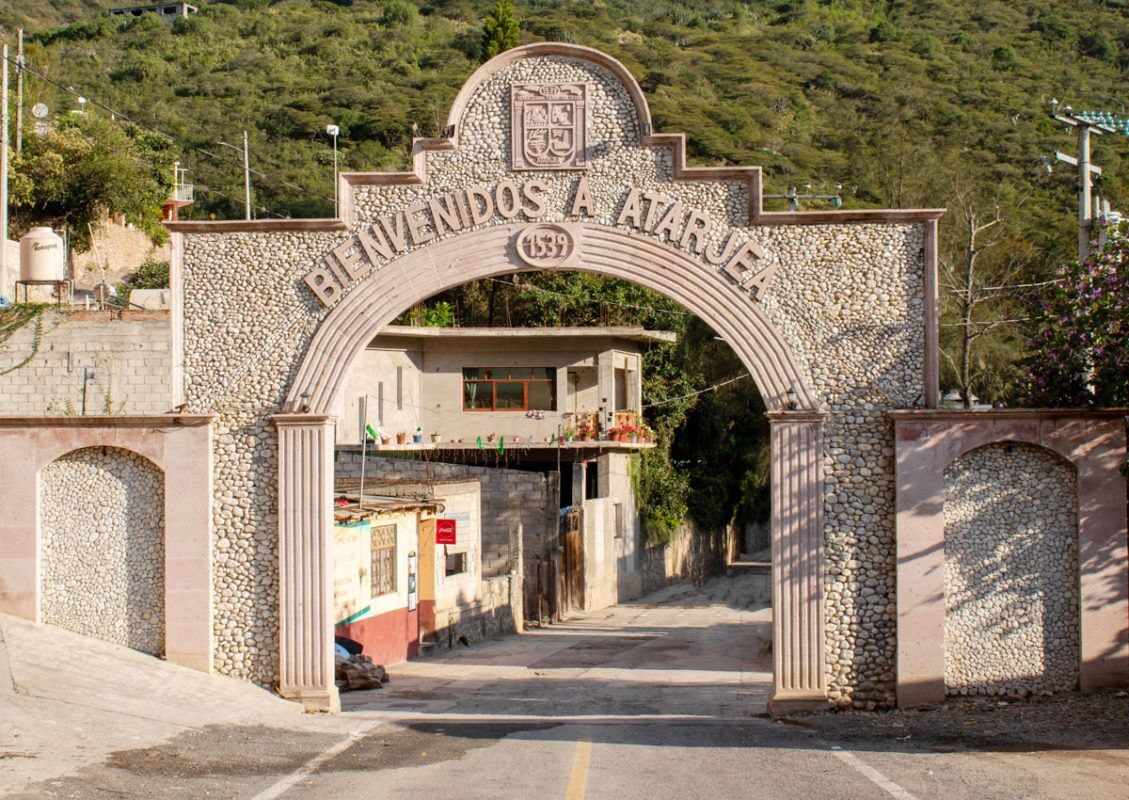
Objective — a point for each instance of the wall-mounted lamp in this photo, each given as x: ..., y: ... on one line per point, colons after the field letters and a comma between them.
x: 304, y: 402
x: 791, y: 393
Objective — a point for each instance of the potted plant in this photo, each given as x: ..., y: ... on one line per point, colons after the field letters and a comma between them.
x: 385, y: 439
x: 569, y: 434
x: 401, y: 437
x: 436, y: 438
x: 417, y: 437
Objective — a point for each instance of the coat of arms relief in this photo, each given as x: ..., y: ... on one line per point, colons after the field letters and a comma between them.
x: 549, y: 125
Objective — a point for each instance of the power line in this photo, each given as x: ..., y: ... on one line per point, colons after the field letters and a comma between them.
x: 145, y: 126
x: 695, y: 394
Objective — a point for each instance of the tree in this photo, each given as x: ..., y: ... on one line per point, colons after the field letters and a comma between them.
x: 500, y: 30
x: 88, y: 167
x: 1078, y: 347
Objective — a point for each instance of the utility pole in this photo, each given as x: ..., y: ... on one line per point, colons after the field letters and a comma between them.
x: 4, y: 173
x: 333, y: 131
x: 1086, y: 125
x: 246, y: 176
x: 20, y: 91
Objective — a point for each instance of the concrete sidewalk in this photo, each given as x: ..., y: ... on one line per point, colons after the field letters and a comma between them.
x: 67, y: 701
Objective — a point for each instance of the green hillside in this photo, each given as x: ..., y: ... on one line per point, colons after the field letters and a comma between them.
x: 904, y: 104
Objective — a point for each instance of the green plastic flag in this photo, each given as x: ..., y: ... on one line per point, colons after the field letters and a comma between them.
x: 502, y: 445
x: 372, y: 433
x: 478, y: 441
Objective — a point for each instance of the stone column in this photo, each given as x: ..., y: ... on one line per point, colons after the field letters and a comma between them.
x: 798, y: 675
x: 305, y: 559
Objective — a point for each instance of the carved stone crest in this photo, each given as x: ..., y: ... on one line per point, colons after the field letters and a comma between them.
x: 549, y: 125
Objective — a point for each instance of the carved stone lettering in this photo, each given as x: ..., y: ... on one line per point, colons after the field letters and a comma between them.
x: 549, y: 126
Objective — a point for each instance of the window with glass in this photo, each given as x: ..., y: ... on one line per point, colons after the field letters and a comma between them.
x: 383, y: 560
x: 509, y: 389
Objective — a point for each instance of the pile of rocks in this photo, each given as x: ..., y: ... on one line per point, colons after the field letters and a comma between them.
x: 358, y: 672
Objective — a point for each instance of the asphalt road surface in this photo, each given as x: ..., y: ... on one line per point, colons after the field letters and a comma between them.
x: 662, y: 698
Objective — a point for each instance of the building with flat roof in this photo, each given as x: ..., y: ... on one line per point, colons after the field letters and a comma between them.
x: 170, y: 12
x: 526, y: 386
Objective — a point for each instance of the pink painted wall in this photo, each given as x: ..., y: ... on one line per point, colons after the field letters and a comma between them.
x: 181, y: 446
x: 926, y: 442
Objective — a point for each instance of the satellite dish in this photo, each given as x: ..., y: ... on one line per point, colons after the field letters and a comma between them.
x: 39, y: 110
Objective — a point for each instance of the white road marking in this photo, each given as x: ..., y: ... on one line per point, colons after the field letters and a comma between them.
x: 291, y: 780
x: 872, y: 775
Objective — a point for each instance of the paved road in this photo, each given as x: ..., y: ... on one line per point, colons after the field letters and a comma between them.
x: 663, y: 698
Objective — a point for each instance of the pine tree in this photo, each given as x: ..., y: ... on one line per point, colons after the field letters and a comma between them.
x: 500, y: 30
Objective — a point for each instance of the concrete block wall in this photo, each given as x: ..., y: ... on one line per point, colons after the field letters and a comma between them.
x: 509, y: 497
x: 127, y: 351
x: 496, y: 612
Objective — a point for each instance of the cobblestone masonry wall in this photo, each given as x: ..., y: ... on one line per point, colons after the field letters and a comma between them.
x: 103, y: 547
x: 129, y: 358
x: 509, y: 497
x: 1011, y: 572
x: 847, y: 298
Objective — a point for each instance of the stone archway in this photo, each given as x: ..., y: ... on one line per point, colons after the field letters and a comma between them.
x: 306, y: 440
x: 833, y: 312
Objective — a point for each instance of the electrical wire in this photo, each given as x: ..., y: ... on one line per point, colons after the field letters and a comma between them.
x: 715, y: 387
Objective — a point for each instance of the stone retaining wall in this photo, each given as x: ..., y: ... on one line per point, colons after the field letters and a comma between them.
x: 103, y: 547
x: 1011, y: 572
x: 694, y: 554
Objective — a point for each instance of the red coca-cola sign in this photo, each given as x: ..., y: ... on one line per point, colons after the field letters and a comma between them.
x: 445, y: 531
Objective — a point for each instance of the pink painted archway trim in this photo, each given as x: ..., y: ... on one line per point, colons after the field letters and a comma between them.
x: 926, y: 443
x: 398, y: 285
x: 180, y: 446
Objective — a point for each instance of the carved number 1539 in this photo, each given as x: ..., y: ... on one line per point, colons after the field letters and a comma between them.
x: 547, y: 245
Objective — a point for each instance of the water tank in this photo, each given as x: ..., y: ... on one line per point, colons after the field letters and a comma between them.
x: 41, y: 255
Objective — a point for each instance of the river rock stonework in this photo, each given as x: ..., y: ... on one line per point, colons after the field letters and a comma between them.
x: 848, y: 299
x: 103, y: 547
x: 1011, y: 572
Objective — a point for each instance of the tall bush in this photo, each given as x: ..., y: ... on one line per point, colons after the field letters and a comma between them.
x: 1078, y: 346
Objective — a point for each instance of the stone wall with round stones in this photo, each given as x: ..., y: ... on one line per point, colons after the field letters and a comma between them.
x: 1011, y: 572
x: 103, y: 547
x: 847, y: 298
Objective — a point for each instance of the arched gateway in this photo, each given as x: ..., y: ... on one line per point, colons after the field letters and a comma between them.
x: 549, y: 162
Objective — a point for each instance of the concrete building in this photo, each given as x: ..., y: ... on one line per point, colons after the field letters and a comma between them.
x: 169, y: 12
x: 454, y: 385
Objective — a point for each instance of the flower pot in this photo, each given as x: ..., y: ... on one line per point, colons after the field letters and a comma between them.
x: 634, y: 439
x: 417, y: 438
x: 385, y: 440
x: 401, y: 438
x: 436, y: 438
